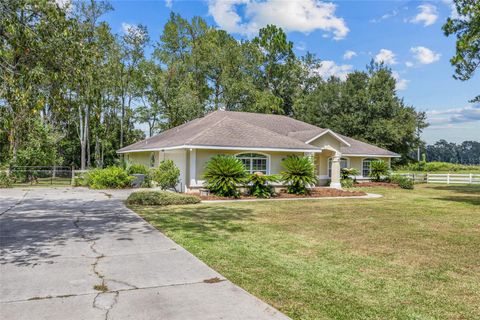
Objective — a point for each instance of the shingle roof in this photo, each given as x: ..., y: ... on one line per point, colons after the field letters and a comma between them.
x: 247, y: 130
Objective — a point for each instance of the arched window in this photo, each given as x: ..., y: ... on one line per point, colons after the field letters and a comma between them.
x: 366, y: 166
x: 254, y: 162
x: 343, y: 164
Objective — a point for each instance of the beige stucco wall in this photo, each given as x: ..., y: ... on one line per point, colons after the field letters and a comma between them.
x: 327, y: 141
x: 204, y: 155
x: 139, y: 158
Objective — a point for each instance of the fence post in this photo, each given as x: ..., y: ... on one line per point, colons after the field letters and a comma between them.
x: 471, y: 178
x: 72, y: 182
x: 448, y: 178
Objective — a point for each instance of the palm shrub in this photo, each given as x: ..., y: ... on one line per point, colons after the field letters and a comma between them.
x: 378, y: 169
x: 223, y: 174
x: 346, y: 175
x: 258, y: 185
x: 166, y: 175
x: 299, y: 173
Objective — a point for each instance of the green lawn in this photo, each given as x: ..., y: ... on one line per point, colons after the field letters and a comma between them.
x: 410, y: 255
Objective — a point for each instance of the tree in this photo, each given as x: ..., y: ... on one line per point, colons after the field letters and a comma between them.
x: 366, y: 107
x: 466, y: 28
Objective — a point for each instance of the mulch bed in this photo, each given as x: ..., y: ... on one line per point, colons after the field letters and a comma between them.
x: 377, y: 184
x: 314, y: 193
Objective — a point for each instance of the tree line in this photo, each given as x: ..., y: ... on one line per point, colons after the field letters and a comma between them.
x: 467, y: 152
x: 73, y: 92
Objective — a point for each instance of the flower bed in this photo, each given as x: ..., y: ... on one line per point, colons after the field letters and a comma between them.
x: 314, y: 193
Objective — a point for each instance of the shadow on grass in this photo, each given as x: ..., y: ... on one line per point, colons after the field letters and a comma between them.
x: 210, y: 223
x: 468, y: 189
x: 475, y: 200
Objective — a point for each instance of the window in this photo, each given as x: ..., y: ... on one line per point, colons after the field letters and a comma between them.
x: 343, y: 164
x: 366, y: 166
x: 254, y: 162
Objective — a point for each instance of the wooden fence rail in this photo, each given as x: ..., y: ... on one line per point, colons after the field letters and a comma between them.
x: 448, y: 178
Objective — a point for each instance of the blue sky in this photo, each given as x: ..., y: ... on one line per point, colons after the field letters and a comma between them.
x: 346, y: 35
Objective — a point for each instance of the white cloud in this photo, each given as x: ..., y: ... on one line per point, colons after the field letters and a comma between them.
x: 126, y: 27
x: 386, y: 16
x: 301, y: 15
x: 427, y: 15
x: 168, y: 3
x: 401, y: 83
x: 349, y: 54
x: 424, y: 55
x: 451, y: 117
x: 409, y: 64
x: 301, y: 46
x: 453, y: 10
x: 329, y: 68
x: 386, y: 56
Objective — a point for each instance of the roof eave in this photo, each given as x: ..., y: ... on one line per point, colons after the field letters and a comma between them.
x: 275, y: 149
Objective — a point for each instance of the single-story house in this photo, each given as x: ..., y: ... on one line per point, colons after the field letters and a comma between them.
x: 260, y: 141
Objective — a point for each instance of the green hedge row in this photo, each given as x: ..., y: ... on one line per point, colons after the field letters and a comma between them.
x: 160, y: 198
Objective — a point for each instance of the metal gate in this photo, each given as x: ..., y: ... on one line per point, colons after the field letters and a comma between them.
x: 40, y: 175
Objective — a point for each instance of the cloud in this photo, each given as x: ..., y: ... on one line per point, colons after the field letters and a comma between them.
x: 301, y: 46
x: 168, y: 3
x: 386, y: 56
x: 427, y: 15
x: 452, y: 117
x: 386, y: 16
x: 401, y: 84
x: 329, y: 68
x: 409, y: 64
x: 349, y: 54
x: 453, y: 10
x: 301, y: 15
x: 424, y: 55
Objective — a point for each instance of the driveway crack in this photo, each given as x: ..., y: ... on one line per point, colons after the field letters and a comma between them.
x: 15, y: 204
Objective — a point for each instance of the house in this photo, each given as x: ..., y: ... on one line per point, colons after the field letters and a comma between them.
x: 260, y: 141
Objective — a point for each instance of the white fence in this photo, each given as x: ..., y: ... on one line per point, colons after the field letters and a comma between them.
x: 448, y: 178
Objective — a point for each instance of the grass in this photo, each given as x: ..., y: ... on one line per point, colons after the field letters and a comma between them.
x: 409, y: 255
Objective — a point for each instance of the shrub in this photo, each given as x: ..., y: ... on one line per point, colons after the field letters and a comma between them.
x: 109, y: 178
x: 160, y: 198
x: 167, y: 175
x: 137, y: 169
x: 403, y: 182
x: 259, y: 186
x: 378, y: 169
x: 5, y: 180
x: 348, y: 173
x: 347, y: 183
x: 223, y: 174
x: 299, y: 173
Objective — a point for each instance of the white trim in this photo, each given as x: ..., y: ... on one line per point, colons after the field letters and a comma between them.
x: 332, y: 133
x: 361, y: 164
x: 223, y: 148
x: 262, y: 153
x: 370, y: 155
x: 193, y: 167
x: 329, y: 167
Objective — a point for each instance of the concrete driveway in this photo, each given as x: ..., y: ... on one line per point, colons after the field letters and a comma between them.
x: 60, y: 247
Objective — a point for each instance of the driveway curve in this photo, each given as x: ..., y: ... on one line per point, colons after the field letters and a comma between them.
x: 74, y: 253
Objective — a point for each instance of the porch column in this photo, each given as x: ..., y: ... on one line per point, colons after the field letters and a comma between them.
x: 193, y: 167
x: 335, y: 178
